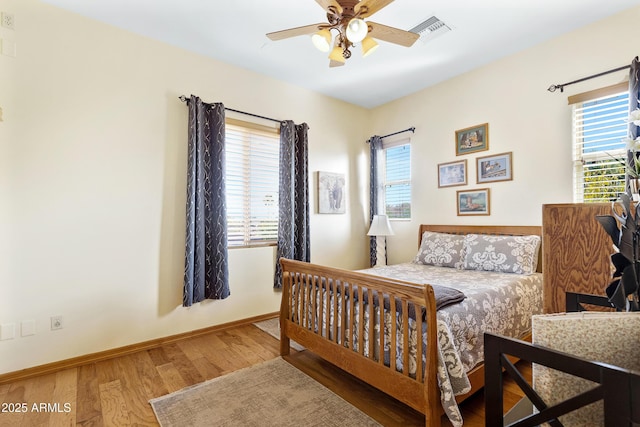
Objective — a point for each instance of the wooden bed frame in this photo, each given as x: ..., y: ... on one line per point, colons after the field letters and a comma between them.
x: 421, y: 393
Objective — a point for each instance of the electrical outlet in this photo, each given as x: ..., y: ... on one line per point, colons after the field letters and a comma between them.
x: 8, y: 21
x: 56, y: 322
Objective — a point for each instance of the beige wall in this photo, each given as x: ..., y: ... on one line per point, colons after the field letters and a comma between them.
x: 510, y: 95
x: 92, y: 166
x: 92, y: 180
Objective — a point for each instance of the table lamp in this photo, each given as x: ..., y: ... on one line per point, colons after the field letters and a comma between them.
x: 381, y: 228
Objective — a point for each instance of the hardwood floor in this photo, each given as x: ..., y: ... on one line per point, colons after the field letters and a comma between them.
x: 116, y: 392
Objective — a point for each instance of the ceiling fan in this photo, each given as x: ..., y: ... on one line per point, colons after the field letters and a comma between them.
x: 347, y: 18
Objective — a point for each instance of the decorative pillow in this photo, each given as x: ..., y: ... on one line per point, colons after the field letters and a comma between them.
x: 440, y: 249
x: 507, y: 254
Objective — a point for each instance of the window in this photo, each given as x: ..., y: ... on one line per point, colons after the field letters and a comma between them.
x: 397, y: 179
x: 599, y: 128
x: 252, y: 156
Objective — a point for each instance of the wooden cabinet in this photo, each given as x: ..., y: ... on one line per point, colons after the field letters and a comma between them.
x: 576, y: 252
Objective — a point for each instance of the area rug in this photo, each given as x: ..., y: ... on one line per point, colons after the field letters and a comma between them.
x: 273, y: 393
x: 272, y: 327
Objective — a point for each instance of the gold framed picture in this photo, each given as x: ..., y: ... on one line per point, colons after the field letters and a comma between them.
x: 472, y: 139
x: 473, y: 202
x: 494, y: 168
x: 452, y: 174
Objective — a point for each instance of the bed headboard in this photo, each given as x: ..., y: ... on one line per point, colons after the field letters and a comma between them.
x: 506, y: 230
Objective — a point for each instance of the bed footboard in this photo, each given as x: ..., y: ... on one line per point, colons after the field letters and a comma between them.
x: 358, y: 322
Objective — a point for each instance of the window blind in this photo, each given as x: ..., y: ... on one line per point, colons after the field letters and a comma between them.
x: 252, y: 158
x: 599, y: 128
x: 397, y: 185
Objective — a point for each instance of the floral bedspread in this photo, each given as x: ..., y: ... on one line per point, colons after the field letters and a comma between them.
x: 500, y: 303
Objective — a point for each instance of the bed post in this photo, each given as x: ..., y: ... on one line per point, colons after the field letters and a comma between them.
x: 431, y: 390
x: 284, y: 312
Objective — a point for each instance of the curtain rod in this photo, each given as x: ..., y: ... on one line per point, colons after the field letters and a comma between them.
x: 553, y: 88
x: 411, y: 129
x: 185, y: 99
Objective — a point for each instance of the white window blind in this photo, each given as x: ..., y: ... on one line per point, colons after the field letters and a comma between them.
x: 252, y: 153
x: 599, y: 128
x: 397, y: 179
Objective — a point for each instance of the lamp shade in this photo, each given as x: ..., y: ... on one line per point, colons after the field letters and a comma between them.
x: 336, y: 55
x: 380, y: 226
x: 357, y: 30
x: 369, y: 45
x: 322, y: 40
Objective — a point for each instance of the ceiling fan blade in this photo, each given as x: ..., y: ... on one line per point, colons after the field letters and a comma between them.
x: 326, y: 3
x: 293, y: 32
x: 392, y: 35
x: 372, y: 6
x: 333, y: 63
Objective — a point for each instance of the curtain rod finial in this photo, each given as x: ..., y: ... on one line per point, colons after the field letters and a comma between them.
x: 553, y: 88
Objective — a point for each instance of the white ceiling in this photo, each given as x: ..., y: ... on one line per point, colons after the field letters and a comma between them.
x: 234, y: 31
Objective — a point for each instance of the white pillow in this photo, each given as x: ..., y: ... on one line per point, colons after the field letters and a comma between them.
x: 440, y: 249
x: 507, y: 254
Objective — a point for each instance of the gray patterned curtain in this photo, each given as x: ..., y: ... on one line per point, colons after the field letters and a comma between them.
x: 634, y: 97
x: 293, y: 225
x: 206, y: 270
x: 375, y: 184
x: 634, y: 93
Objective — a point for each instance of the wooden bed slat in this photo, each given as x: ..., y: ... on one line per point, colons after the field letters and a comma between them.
x: 405, y: 337
x: 420, y: 348
x: 381, y: 334
x: 341, y: 314
x: 394, y: 333
x: 360, y: 321
x: 351, y: 316
x: 372, y: 332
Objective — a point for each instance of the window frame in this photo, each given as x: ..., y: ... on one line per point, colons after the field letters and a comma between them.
x: 250, y: 130
x: 612, y: 159
x: 386, y: 145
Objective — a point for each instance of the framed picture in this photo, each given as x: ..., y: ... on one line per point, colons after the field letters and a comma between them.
x: 452, y: 174
x: 472, y: 140
x: 494, y: 168
x: 473, y: 202
x: 331, y: 193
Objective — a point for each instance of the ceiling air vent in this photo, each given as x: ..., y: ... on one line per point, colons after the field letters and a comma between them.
x: 430, y: 29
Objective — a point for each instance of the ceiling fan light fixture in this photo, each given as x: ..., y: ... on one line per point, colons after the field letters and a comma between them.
x: 369, y: 46
x: 322, y: 40
x: 346, y: 18
x: 336, y: 55
x: 357, y: 30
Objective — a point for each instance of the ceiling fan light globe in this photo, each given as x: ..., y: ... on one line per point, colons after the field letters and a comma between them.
x: 322, y: 40
x: 357, y: 30
x: 336, y: 55
x: 369, y: 46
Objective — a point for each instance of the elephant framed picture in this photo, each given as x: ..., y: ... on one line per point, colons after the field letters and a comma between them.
x: 331, y: 193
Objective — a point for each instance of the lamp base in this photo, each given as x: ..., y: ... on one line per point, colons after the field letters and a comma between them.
x: 381, y: 251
